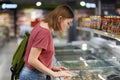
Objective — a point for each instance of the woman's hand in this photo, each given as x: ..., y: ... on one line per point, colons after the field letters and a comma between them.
x: 59, y: 68
x: 65, y: 74
x: 62, y: 71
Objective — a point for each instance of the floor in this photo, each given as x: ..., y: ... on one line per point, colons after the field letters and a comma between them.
x: 6, y: 53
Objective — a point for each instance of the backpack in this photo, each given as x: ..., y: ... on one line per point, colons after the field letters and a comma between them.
x: 17, y: 59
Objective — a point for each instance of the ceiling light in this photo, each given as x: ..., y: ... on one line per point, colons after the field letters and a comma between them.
x: 82, y: 3
x: 90, y: 5
x: 38, y: 3
x: 9, y: 6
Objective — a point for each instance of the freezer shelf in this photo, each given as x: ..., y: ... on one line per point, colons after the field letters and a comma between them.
x: 81, y: 71
x: 96, y: 62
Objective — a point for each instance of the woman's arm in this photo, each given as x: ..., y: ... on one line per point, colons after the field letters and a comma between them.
x: 33, y: 60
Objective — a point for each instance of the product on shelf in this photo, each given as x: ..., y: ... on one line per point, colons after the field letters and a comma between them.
x: 104, y: 23
x: 110, y: 24
x: 95, y: 22
x: 86, y: 22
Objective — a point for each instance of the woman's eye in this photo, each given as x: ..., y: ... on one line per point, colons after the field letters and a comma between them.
x: 69, y: 24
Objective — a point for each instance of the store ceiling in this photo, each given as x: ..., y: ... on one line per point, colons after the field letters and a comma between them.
x: 31, y: 3
x: 43, y: 1
x: 46, y: 3
x: 34, y: 1
x: 49, y: 3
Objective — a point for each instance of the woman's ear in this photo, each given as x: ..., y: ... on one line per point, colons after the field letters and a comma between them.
x: 60, y: 18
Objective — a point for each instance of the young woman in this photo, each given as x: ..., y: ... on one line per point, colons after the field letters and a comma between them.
x: 40, y: 48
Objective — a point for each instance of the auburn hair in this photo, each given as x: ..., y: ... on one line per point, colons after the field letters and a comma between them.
x: 52, y: 17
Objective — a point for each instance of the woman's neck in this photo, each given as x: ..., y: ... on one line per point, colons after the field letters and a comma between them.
x: 44, y: 25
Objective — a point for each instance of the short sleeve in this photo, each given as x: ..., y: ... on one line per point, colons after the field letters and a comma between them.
x: 41, y: 40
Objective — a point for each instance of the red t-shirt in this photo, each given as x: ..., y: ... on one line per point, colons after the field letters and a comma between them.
x: 41, y: 38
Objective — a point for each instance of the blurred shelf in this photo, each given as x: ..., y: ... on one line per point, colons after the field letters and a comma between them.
x: 110, y: 35
x: 103, y: 33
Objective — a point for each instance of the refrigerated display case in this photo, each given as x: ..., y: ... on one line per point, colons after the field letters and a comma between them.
x: 89, y: 60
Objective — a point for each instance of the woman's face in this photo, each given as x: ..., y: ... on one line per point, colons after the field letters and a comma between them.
x: 66, y: 23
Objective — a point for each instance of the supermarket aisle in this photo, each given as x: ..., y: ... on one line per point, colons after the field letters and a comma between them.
x: 6, y: 53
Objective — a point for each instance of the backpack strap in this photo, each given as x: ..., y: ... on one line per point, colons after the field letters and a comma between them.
x: 13, y: 73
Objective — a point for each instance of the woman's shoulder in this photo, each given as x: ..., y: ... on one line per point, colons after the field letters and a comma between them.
x: 40, y: 30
